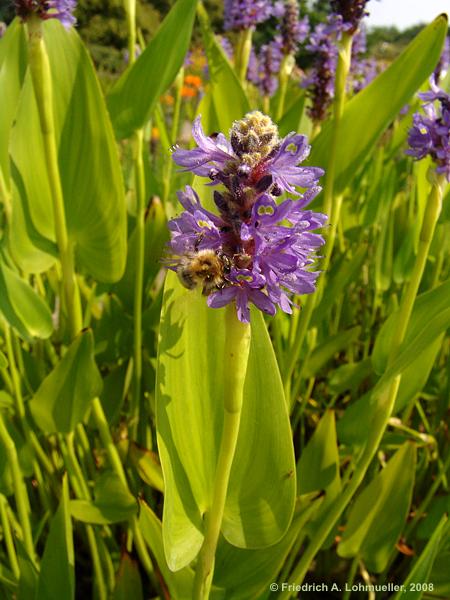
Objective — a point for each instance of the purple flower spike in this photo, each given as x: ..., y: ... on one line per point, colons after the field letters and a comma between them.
x: 245, y: 14
x: 351, y: 11
x: 47, y: 9
x: 430, y: 133
x: 257, y: 250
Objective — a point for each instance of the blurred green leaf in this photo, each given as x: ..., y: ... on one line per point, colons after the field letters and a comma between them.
x: 340, y: 278
x: 133, y: 97
x: 113, y: 502
x: 420, y: 573
x: 148, y: 466
x: 13, y: 63
x: 228, y: 96
x: 325, y: 352
x: 128, y: 580
x: 350, y: 376
x: 29, y: 575
x: 369, y: 113
x: 89, y: 167
x: 427, y: 306
x: 22, y: 308
x: 64, y: 396
x: 3, y: 362
x: 156, y: 236
x: 189, y: 423
x: 379, y: 513
x: 57, y: 574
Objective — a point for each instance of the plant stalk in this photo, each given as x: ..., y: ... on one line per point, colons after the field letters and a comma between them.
x: 237, y: 347
x: 42, y: 84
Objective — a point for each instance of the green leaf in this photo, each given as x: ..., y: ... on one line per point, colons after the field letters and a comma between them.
x: 113, y: 502
x: 426, y: 307
x: 369, y: 113
x: 64, y: 396
x: 228, y: 96
x: 340, y: 278
x: 189, y: 424
x: 420, y: 573
x: 57, y: 574
x: 325, y: 352
x: 89, y: 165
x: 379, y: 513
x: 3, y: 362
x: 349, y: 376
x: 246, y: 574
x: 179, y: 583
x: 29, y: 576
x: 128, y: 580
x: 13, y: 63
x: 133, y: 97
x: 148, y: 466
x: 22, y: 308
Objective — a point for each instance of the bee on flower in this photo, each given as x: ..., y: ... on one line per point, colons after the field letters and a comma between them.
x: 258, y: 250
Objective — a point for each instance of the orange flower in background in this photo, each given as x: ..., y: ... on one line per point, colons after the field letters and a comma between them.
x: 191, y: 87
x: 167, y: 99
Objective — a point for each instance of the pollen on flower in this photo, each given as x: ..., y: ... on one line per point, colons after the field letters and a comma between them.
x: 261, y: 250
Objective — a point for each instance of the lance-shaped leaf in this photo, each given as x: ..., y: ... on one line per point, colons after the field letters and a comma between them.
x: 3, y: 365
x: 113, y: 502
x: 379, y: 513
x: 89, y: 166
x: 22, y: 308
x: 57, y: 574
x: 228, y: 96
x: 13, y: 63
x: 133, y: 97
x: 369, y: 113
x: 420, y: 573
x: 128, y: 580
x: 64, y: 396
x: 261, y: 492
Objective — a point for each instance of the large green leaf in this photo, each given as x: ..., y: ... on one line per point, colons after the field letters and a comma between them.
x: 228, y: 96
x: 64, y: 396
x: 128, y: 580
x: 420, y: 573
x: 22, y: 308
x: 133, y: 97
x: 89, y: 166
x: 261, y: 493
x: 57, y: 574
x: 369, y: 113
x: 13, y: 56
x: 113, y: 502
x: 377, y: 517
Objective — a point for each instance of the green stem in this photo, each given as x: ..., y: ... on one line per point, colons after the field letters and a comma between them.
x: 20, y: 490
x: 167, y: 179
x: 387, y: 394
x: 351, y: 578
x: 244, y: 48
x: 285, y: 72
x: 7, y: 536
x: 116, y: 464
x: 139, y: 281
x: 237, y: 346
x: 42, y: 84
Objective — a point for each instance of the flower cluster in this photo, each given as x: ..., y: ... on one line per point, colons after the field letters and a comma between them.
x: 47, y: 9
x: 245, y: 14
x: 430, y: 133
x: 351, y: 11
x: 255, y: 250
x: 263, y: 68
x: 293, y: 30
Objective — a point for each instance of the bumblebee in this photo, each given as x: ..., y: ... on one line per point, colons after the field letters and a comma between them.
x: 207, y: 268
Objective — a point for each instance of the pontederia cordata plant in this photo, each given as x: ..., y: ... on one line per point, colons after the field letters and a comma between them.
x: 218, y: 380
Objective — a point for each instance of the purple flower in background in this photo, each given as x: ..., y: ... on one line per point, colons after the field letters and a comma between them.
x: 430, y: 133
x: 292, y: 30
x: 270, y: 57
x: 47, y: 9
x: 444, y: 61
x: 255, y: 250
x: 362, y: 70
x: 351, y: 11
x: 244, y: 14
